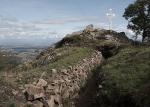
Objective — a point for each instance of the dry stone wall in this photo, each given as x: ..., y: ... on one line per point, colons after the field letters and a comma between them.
x: 63, y: 88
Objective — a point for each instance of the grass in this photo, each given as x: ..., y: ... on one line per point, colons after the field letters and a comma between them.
x: 8, y: 62
x: 73, y: 56
x: 63, y: 52
x: 127, y: 73
x: 69, y: 40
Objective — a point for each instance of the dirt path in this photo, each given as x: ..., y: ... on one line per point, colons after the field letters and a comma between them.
x: 87, y: 96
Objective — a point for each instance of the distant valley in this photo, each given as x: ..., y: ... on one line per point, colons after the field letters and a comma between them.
x: 24, y: 53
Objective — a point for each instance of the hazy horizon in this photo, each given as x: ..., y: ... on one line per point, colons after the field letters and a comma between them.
x: 42, y: 22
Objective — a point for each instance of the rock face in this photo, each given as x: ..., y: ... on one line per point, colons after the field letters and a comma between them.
x: 63, y: 89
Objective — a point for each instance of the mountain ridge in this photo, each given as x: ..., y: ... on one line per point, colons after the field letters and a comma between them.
x: 77, y: 64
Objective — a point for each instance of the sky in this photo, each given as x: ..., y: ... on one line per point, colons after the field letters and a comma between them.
x: 42, y: 22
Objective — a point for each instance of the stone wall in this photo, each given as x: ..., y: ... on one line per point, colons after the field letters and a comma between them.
x: 63, y: 87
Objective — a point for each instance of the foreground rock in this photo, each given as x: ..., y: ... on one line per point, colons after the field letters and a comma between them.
x: 62, y: 90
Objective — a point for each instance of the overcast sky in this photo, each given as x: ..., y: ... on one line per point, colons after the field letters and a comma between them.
x: 44, y: 21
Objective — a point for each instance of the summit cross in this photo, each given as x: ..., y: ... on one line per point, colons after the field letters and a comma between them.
x: 110, y: 15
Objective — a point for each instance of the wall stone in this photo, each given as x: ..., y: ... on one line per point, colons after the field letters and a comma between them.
x: 64, y: 86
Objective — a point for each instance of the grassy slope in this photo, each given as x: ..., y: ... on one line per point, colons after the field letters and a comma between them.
x: 127, y: 78
x: 71, y: 57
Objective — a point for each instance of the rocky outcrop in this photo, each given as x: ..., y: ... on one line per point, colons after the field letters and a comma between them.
x: 91, y: 35
x: 63, y: 88
x: 89, y: 28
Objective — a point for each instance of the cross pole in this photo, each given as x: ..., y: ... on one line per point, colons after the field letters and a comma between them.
x: 110, y: 15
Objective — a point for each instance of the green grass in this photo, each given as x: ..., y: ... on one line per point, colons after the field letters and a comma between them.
x: 63, y: 52
x: 74, y: 55
x: 8, y: 62
x: 71, y: 40
x: 127, y: 74
x: 72, y: 58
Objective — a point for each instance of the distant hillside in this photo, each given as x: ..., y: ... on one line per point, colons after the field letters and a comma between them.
x: 8, y: 61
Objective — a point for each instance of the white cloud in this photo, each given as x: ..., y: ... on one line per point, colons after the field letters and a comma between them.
x: 67, y: 19
x: 12, y: 28
x: 51, y: 29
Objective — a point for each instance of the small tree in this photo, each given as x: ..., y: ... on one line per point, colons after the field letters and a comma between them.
x: 138, y: 16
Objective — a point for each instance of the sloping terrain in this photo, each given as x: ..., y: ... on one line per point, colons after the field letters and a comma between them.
x: 127, y: 80
x: 8, y: 62
x: 92, y: 37
x: 65, y: 66
x: 48, y: 63
x: 123, y: 81
x: 92, y: 67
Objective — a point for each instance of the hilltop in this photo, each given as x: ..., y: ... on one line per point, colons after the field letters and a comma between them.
x: 92, y: 37
x: 91, y: 67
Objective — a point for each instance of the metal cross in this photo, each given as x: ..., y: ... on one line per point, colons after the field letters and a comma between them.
x: 110, y: 15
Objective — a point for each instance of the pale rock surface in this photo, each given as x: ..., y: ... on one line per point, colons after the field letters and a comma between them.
x: 41, y: 83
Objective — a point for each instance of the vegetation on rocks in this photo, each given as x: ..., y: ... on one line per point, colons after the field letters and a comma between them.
x: 71, y: 64
x: 69, y: 56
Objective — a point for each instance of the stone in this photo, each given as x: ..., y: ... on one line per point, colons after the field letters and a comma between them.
x: 37, y: 103
x: 50, y: 87
x: 64, y: 71
x: 51, y: 102
x: 54, y: 71
x: 56, y: 90
x: 33, y: 92
x: 84, y: 60
x: 67, y: 80
x: 77, y: 33
x: 41, y: 83
x: 14, y: 92
x: 57, y: 99
x: 55, y: 82
x: 49, y: 57
x: 34, y: 83
x: 21, y: 87
x: 65, y: 94
x: 109, y: 37
x: 89, y: 28
x: 39, y: 95
x: 63, y: 86
x: 61, y: 80
x: 70, y: 67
